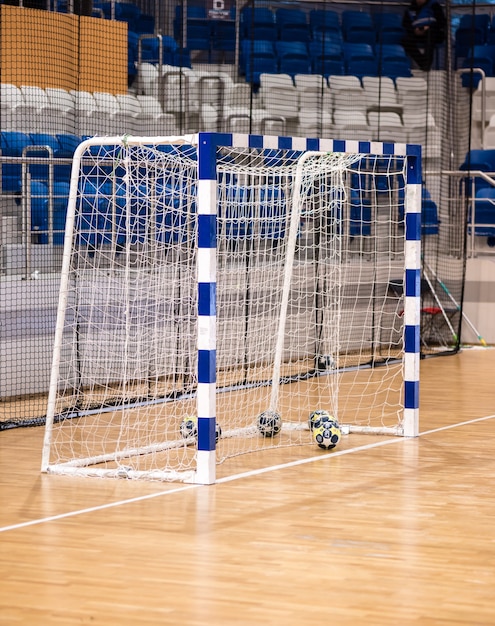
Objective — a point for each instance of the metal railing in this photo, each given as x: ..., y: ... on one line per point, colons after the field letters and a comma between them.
x: 16, y: 206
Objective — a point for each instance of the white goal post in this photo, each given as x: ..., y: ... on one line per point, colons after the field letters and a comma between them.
x: 208, y: 279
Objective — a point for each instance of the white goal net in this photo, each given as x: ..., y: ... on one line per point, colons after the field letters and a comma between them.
x: 308, y: 259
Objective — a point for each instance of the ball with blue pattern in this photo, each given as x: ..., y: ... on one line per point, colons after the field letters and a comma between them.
x: 269, y: 423
x: 189, y: 429
x: 325, y: 429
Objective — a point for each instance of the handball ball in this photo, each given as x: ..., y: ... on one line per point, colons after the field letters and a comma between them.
x: 189, y: 428
x: 269, y: 423
x: 325, y: 429
x: 314, y: 416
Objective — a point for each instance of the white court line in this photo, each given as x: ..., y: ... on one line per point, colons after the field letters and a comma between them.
x: 265, y: 470
x: 473, y: 421
x: 101, y: 507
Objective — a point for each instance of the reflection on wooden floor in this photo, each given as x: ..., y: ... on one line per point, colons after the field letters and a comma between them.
x: 382, y: 531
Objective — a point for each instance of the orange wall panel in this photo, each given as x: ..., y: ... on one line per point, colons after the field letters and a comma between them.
x: 59, y: 50
x: 103, y: 59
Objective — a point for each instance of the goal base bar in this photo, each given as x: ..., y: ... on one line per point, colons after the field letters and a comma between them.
x: 397, y: 431
x: 122, y: 472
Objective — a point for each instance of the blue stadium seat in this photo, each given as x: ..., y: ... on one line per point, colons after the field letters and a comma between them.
x: 326, y: 58
x: 199, y: 33
x: 144, y: 25
x: 45, y: 139
x: 258, y: 22
x: 150, y: 50
x: 264, y: 32
x: 358, y: 27
x: 292, y: 49
x: 258, y: 57
x: 359, y: 215
x: 132, y: 54
x: 294, y: 32
x: 3, y: 142
x: 393, y: 52
x: 476, y: 159
x: 171, y: 213
x: 59, y: 203
x: 124, y: 11
x: 93, y: 207
x: 268, y: 33
x: 294, y: 66
x: 388, y: 26
x: 483, y: 57
x: 396, y: 69
x: 257, y: 47
x: 193, y: 12
x: 358, y: 51
x: 323, y: 22
x: 472, y: 31
x: 292, y: 25
x: 429, y: 214
x: 38, y: 197
x: 393, y: 61
x: 293, y: 57
x: 13, y: 144
x: 330, y: 37
x: 480, y: 160
x: 490, y: 35
x: 223, y: 35
x: 257, y: 66
x: 272, y: 213
x: 326, y: 48
x: 484, y: 213
x: 67, y: 144
x: 41, y: 171
x: 235, y: 212
x: 285, y: 15
x: 359, y: 59
x: 328, y: 67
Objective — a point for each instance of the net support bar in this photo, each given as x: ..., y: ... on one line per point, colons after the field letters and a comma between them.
x: 412, y: 300
x: 206, y: 274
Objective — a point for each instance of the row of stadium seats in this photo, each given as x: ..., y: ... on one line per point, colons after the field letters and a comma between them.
x: 305, y: 105
x: 57, y: 111
x: 295, y: 24
x: 326, y: 56
x: 297, y: 93
x: 108, y: 208
x: 242, y: 217
x: 288, y: 24
x: 63, y: 146
x: 56, y: 150
x: 371, y: 108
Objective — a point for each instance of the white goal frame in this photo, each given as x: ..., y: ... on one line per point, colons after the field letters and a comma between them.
x: 206, y: 394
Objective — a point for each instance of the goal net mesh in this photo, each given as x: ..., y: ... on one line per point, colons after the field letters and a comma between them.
x: 126, y: 358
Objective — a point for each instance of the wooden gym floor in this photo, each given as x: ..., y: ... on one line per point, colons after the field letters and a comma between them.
x: 383, y: 531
